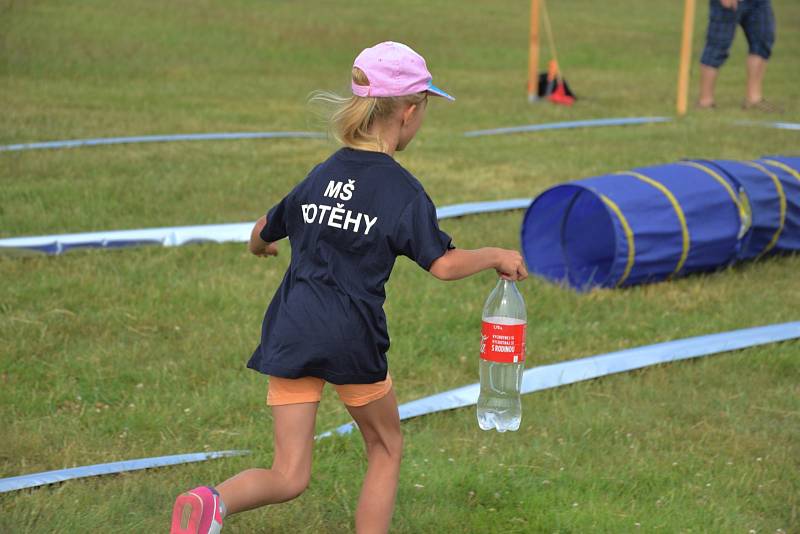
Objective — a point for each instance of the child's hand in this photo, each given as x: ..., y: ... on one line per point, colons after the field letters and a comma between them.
x: 270, y: 249
x: 511, y: 266
x: 258, y: 246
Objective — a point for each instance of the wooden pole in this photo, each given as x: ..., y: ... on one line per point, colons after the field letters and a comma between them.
x: 686, y: 56
x: 533, y: 53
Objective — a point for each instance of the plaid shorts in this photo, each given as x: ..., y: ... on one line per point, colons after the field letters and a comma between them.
x: 756, y: 19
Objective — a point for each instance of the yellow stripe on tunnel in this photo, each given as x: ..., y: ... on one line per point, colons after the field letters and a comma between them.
x: 628, y: 236
x: 784, y: 167
x: 782, y: 202
x: 744, y: 218
x: 678, y: 211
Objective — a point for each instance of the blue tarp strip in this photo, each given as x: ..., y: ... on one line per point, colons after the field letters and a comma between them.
x: 569, y: 372
x: 219, y: 233
x: 318, y: 135
x: 473, y: 208
x: 74, y: 143
x: 592, y: 123
x: 161, y: 139
x: 61, y: 475
x: 778, y: 125
x: 168, y: 237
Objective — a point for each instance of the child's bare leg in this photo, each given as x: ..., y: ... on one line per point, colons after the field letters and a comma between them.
x: 379, y: 423
x: 291, y: 464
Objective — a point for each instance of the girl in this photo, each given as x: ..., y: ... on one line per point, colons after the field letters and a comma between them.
x: 346, y: 222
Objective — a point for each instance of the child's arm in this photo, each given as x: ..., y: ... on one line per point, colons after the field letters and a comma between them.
x: 258, y: 246
x: 457, y: 263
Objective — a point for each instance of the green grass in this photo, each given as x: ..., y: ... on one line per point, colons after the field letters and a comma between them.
x: 112, y: 355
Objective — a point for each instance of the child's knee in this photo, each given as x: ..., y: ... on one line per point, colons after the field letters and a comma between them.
x: 295, y: 484
x: 295, y: 480
x: 296, y: 488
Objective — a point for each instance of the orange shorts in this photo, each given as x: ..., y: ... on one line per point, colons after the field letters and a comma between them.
x: 283, y: 391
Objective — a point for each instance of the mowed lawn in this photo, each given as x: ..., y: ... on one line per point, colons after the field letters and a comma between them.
x: 114, y: 355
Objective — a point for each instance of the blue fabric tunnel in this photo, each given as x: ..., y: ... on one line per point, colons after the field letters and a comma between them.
x: 771, y: 189
x: 652, y: 223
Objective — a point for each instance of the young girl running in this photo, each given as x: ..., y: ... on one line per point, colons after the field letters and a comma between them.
x: 346, y: 222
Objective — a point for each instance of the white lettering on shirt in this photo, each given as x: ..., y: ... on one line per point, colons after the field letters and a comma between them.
x: 338, y: 216
x: 332, y: 191
x: 347, y: 190
x: 369, y: 223
x: 348, y: 219
x: 323, y: 209
x: 340, y: 190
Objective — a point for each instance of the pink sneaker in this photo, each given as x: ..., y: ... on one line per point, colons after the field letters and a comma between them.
x: 197, y: 511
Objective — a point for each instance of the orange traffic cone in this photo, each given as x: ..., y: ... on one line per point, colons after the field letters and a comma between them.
x: 553, y: 87
x: 560, y: 96
x: 557, y: 93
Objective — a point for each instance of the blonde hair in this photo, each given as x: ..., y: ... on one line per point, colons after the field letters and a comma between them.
x: 351, y: 117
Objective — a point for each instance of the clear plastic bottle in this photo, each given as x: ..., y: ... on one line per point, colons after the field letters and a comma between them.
x: 502, y: 358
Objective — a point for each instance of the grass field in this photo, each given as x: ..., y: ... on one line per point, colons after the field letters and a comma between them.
x: 113, y: 355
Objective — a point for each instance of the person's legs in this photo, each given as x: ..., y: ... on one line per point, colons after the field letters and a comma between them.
x: 379, y: 423
x: 719, y: 36
x: 756, y: 67
x: 758, y: 23
x: 708, y: 80
x: 291, y: 464
x: 200, y: 511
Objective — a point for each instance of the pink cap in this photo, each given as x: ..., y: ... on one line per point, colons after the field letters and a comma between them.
x: 394, y: 69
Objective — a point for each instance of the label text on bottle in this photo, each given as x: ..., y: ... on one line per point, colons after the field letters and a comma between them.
x: 503, y: 343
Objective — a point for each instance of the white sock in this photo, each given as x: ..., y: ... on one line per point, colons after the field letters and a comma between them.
x: 222, y: 510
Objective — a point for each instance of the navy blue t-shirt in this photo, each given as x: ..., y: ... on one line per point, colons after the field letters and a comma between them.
x: 346, y: 222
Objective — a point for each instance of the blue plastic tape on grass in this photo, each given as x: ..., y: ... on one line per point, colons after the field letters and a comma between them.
x: 569, y: 372
x: 162, y: 139
x: 778, y: 125
x: 182, y: 235
x: 168, y: 237
x: 592, y: 123
x: 62, y: 475
x: 473, y: 208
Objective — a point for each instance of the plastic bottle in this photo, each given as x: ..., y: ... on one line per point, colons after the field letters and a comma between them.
x: 502, y: 358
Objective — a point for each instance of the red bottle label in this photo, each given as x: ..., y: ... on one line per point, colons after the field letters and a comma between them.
x: 503, y: 343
